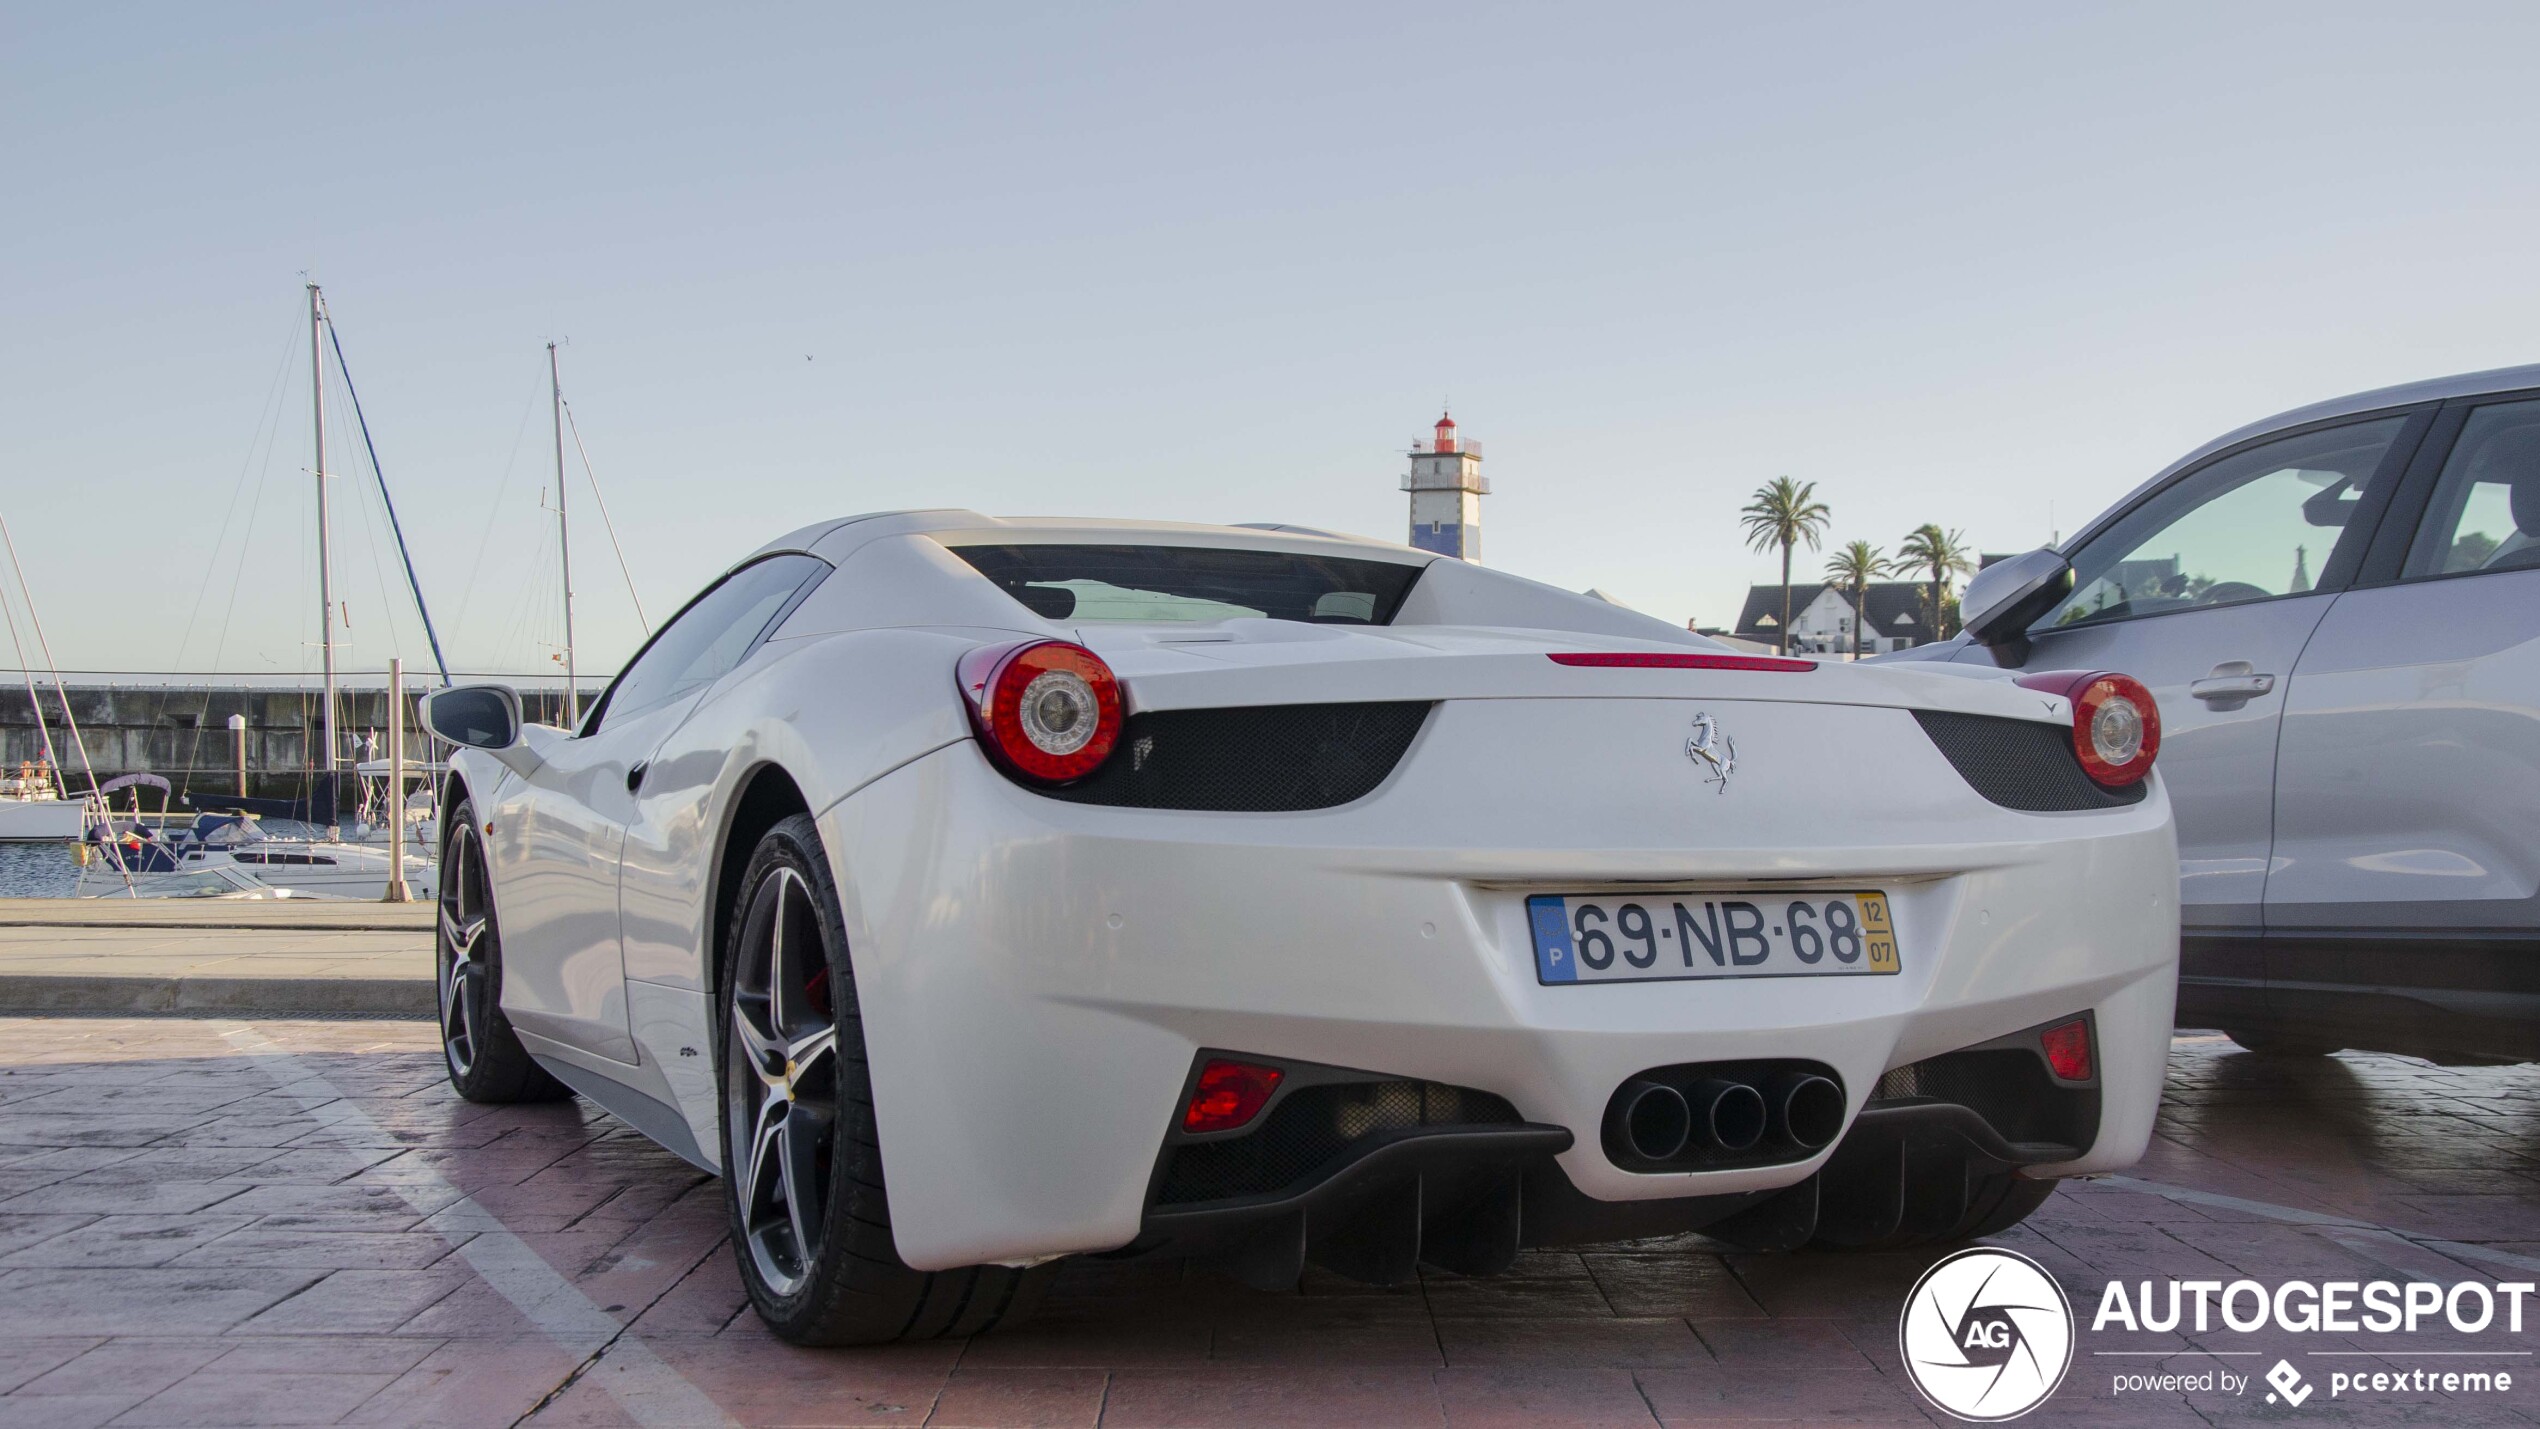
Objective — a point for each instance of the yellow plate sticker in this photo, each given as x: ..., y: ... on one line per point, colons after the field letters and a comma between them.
x: 1878, y: 932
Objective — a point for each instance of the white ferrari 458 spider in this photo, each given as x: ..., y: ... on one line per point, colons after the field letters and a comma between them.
x: 973, y: 893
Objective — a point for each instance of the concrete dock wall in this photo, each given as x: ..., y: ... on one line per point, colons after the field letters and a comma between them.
x: 182, y: 731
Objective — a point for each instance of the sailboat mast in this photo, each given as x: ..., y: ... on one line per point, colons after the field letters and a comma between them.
x: 326, y: 564
x: 564, y: 543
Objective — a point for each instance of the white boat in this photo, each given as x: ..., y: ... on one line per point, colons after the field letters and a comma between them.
x: 211, y: 882
x: 317, y: 868
x: 32, y: 809
x: 231, y: 855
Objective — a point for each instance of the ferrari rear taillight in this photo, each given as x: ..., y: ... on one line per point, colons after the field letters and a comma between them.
x: 2067, y: 1047
x: 1048, y: 711
x: 2116, y: 725
x: 1229, y: 1094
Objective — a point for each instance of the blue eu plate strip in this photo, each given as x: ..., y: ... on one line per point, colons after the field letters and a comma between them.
x: 1555, y: 961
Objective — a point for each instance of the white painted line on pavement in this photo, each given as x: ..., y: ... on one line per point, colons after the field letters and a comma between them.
x: 650, y: 1391
x: 2352, y: 1230
x: 2219, y: 1201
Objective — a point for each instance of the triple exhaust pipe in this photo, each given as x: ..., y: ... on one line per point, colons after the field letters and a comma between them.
x: 1658, y: 1122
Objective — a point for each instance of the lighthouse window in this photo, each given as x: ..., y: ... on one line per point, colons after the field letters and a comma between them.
x: 1193, y: 583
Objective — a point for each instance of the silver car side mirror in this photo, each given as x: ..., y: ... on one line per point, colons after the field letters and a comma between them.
x: 477, y: 716
x: 484, y: 717
x: 2004, y: 599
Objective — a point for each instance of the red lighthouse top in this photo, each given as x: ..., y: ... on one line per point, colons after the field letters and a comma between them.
x: 1446, y: 433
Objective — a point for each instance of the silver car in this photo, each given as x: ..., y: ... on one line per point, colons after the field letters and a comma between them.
x: 2338, y: 612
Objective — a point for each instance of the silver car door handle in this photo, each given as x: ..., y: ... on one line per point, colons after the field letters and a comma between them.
x: 2232, y: 687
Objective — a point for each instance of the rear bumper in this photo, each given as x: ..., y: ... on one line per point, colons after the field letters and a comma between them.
x: 1454, y: 1179
x: 1037, y: 976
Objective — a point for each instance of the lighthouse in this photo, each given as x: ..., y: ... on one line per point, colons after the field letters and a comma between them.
x: 1447, y: 487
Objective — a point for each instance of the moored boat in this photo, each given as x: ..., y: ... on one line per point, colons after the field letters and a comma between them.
x: 230, y: 854
x: 33, y: 809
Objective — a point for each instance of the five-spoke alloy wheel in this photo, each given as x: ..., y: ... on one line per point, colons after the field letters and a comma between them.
x: 781, y: 1072
x: 802, y: 1158
x: 487, y: 1062
x: 465, y: 922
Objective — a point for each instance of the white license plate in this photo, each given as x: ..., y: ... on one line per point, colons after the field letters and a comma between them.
x: 1656, y: 937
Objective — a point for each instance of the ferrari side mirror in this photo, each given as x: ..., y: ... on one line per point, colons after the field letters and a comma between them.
x: 478, y: 716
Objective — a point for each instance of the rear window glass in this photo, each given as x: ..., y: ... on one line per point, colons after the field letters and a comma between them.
x: 1193, y: 583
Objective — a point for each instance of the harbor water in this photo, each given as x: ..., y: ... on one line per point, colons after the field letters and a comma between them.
x: 37, y: 870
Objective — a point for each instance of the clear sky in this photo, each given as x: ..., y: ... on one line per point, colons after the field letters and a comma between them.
x: 1986, y: 266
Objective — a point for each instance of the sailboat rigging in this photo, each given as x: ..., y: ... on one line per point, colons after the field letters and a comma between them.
x: 50, y: 805
x: 405, y: 558
x: 226, y: 850
x: 331, y: 806
x: 562, y: 413
x: 642, y: 621
x: 564, y: 545
x: 324, y: 803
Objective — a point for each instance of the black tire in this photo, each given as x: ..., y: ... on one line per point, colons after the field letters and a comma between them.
x: 2270, y: 1044
x: 484, y: 1056
x: 802, y: 1156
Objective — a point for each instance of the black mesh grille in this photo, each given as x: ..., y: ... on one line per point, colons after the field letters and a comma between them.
x: 1254, y: 758
x: 2021, y: 764
x: 1315, y: 1127
x: 2007, y: 1086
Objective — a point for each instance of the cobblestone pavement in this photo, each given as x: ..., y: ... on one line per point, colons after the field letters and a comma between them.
x: 211, y: 1223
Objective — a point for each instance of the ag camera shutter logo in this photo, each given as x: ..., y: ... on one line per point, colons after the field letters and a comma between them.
x: 1986, y: 1335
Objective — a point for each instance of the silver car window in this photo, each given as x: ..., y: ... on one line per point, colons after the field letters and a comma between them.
x: 1193, y: 583
x: 2485, y: 512
x: 707, y: 638
x: 2252, y: 526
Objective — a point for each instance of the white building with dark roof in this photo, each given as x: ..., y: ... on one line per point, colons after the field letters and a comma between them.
x: 1821, y: 617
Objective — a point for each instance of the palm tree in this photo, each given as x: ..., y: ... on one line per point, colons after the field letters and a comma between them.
x: 1853, y: 568
x: 1784, y: 513
x: 1943, y: 554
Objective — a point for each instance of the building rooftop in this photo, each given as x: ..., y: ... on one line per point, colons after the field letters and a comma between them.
x: 1891, y: 608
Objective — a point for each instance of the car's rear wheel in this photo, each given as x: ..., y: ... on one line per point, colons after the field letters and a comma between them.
x: 811, y: 1221
x: 2270, y: 1044
x: 485, y: 1058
